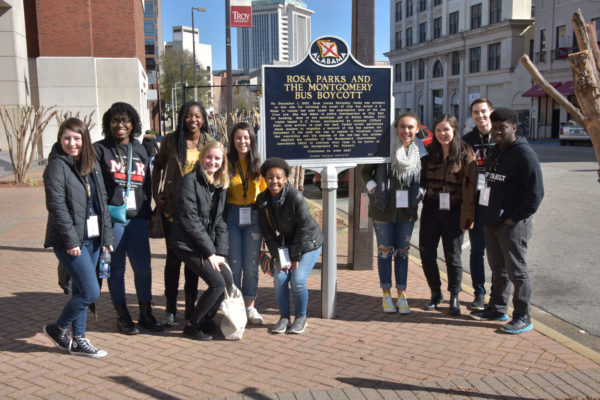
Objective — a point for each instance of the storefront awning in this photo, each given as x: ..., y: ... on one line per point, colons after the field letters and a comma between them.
x: 537, y: 91
x: 566, y: 88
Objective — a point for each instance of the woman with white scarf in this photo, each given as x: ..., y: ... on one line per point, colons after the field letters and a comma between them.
x: 395, y: 191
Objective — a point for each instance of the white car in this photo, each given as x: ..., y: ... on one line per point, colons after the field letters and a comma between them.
x: 571, y: 132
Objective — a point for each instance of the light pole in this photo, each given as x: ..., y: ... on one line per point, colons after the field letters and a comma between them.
x: 194, y: 49
x: 174, y: 99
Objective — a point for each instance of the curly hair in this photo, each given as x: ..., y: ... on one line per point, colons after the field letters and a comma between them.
x: 120, y: 108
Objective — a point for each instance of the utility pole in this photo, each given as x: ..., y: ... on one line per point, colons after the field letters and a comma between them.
x: 194, y: 49
x: 360, y: 231
x: 228, y: 61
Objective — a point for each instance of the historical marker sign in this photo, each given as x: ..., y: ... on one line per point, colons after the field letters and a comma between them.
x: 328, y: 108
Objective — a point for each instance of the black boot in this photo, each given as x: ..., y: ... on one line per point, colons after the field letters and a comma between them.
x: 146, y: 319
x: 190, y: 303
x: 436, y: 298
x: 454, y: 305
x: 124, y: 322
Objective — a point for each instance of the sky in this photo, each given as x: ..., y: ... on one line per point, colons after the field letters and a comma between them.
x: 331, y: 17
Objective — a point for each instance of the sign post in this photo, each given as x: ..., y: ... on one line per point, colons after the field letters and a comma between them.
x: 327, y: 113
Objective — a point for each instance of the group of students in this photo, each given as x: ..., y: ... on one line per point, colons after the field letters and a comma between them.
x: 216, y: 206
x: 488, y: 183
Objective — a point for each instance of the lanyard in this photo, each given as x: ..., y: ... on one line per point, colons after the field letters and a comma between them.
x: 244, y: 179
x: 120, y: 156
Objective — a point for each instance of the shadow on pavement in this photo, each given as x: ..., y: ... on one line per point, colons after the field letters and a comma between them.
x: 140, y: 387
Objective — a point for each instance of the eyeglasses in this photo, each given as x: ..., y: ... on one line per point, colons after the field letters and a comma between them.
x: 116, y: 121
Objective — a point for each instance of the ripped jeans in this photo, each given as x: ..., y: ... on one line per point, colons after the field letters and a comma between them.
x: 394, y: 236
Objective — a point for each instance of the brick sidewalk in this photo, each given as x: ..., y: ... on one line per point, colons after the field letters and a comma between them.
x: 362, y: 354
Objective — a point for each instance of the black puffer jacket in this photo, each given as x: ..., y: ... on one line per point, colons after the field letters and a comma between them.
x: 199, y: 226
x: 291, y: 218
x: 66, y: 201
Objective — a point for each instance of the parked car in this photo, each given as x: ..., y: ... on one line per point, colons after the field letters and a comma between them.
x: 425, y: 135
x: 343, y: 181
x: 571, y: 132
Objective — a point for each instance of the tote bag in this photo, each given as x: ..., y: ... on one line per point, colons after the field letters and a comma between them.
x: 233, y: 313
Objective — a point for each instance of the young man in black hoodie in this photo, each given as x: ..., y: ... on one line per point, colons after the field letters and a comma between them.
x: 513, y: 192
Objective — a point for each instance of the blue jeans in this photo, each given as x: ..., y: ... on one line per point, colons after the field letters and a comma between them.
x: 131, y: 240
x: 477, y: 239
x: 84, y: 281
x: 244, y: 251
x: 396, y: 236
x: 296, y: 279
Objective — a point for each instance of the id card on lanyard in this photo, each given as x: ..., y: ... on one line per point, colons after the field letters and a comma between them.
x: 91, y: 224
x: 245, y: 213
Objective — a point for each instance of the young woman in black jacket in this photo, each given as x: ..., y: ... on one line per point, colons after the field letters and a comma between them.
x: 199, y: 235
x: 78, y: 228
x: 294, y: 240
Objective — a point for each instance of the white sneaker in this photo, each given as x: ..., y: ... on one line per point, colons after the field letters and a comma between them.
x: 402, y: 305
x: 388, y: 304
x: 253, y: 316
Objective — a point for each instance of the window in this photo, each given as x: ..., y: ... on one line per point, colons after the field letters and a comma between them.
x: 495, y: 11
x: 437, y: 97
x: 476, y: 16
x: 455, y: 63
x: 437, y: 2
x: 422, y: 32
x: 475, y: 59
x: 148, y: 10
x: 149, y: 46
x: 398, y: 72
x: 409, y: 8
x: 421, y: 69
x: 148, y: 28
x: 543, y: 45
x: 437, y: 27
x: 150, y: 64
x: 422, y: 5
x: 453, y: 23
x: 493, y: 56
x: 398, y: 40
x: 438, y: 69
x: 455, y: 106
x: 398, y: 10
x: 408, y: 71
x: 562, y: 44
x: 408, y: 37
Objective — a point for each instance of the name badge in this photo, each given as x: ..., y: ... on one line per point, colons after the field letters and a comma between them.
x: 245, y: 216
x: 92, y: 226
x: 444, y: 201
x: 284, y: 258
x: 484, y: 196
x: 401, y: 198
x: 131, y: 201
x: 480, y: 181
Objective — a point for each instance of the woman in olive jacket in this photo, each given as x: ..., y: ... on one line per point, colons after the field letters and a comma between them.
x: 294, y: 240
x: 199, y: 235
x: 78, y: 227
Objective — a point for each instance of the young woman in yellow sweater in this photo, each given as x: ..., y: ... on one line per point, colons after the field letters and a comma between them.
x: 241, y: 214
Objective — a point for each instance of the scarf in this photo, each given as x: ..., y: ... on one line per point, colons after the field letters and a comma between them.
x: 406, y: 163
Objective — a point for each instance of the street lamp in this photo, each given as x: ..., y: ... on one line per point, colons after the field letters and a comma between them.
x: 174, y: 101
x: 194, y: 49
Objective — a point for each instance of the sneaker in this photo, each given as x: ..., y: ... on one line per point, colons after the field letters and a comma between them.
x: 519, y: 324
x: 82, y: 347
x: 489, y: 315
x: 194, y: 333
x: 169, y: 320
x: 253, y: 316
x: 299, y: 325
x: 479, y: 303
x: 388, y: 304
x: 59, y: 336
x: 402, y: 305
x: 281, y: 326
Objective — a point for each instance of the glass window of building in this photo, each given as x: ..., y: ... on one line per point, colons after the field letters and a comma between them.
x: 421, y: 108
x: 399, y: 10
x: 495, y: 11
x: 409, y: 40
x: 437, y: 27
x: 148, y: 9
x: 148, y: 28
x: 408, y: 71
x: 493, y: 56
x: 437, y: 98
x: 422, y: 5
x: 455, y: 63
x: 453, y: 23
x: 149, y: 46
x: 542, y: 45
x: 398, y: 40
x: 455, y: 106
x: 150, y: 64
x: 475, y: 59
x: 437, y: 2
x: 421, y: 69
x: 398, y: 72
x: 409, y: 8
x: 422, y: 32
x: 438, y: 69
x: 476, y: 16
x: 560, y: 47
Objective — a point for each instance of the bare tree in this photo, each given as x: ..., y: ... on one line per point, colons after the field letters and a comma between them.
x: 23, y: 127
x: 87, y: 119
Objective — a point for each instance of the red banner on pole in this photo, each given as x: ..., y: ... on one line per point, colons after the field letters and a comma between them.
x: 241, y: 13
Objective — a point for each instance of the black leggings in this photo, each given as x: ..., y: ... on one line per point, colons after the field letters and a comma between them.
x: 210, y: 301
